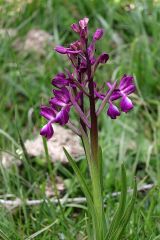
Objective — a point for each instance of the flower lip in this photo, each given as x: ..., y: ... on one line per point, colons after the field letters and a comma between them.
x: 113, y: 111
x: 126, y: 104
x: 47, y: 130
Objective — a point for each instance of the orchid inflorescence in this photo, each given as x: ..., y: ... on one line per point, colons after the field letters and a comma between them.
x: 70, y: 88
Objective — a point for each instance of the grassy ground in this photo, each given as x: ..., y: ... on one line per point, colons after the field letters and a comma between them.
x: 132, y: 39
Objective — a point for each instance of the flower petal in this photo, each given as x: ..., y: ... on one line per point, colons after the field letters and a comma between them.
x: 125, y: 81
x: 130, y: 89
x: 115, y: 95
x: 62, y: 95
x: 113, y: 112
x: 56, y: 102
x: 47, y: 131
x: 63, y: 116
x: 47, y: 112
x: 126, y: 104
x: 60, y: 80
x: 83, y: 22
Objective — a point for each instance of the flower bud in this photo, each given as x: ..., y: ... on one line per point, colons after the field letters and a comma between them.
x: 83, y: 22
x: 103, y: 58
x: 75, y: 27
x: 98, y: 34
x: 61, y: 49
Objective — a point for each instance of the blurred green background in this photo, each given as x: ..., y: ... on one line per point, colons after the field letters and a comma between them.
x: 29, y: 29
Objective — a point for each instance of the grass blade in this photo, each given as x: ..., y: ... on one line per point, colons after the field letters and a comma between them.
x: 120, y: 211
x: 80, y: 178
x: 127, y: 215
x: 3, y: 235
x: 41, y: 231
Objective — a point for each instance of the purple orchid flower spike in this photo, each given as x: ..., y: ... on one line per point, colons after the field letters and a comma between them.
x: 72, y: 87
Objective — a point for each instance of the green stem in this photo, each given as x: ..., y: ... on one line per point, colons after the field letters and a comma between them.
x: 95, y: 173
x: 95, y: 161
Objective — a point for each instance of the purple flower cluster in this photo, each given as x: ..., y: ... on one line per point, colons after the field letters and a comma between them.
x: 71, y: 88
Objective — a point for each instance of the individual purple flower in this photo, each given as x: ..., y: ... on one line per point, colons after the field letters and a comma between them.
x: 113, y: 111
x: 57, y: 112
x: 125, y: 88
x: 60, y: 117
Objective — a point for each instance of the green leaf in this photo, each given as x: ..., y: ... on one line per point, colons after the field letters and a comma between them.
x: 34, y: 235
x: 100, y: 165
x: 120, y: 211
x: 26, y: 156
x: 127, y: 214
x: 3, y: 235
x: 96, y: 179
x: 81, y: 179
